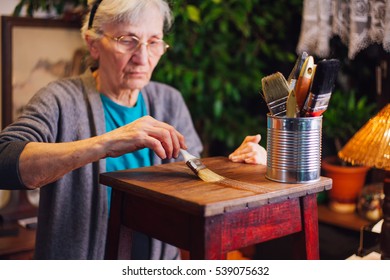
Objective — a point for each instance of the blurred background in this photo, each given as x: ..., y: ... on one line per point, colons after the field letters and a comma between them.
x: 219, y: 52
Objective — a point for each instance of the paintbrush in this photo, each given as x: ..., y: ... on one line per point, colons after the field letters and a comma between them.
x: 321, y: 89
x: 293, y: 77
x: 196, y: 165
x: 275, y: 93
x: 292, y: 109
x: 302, y: 86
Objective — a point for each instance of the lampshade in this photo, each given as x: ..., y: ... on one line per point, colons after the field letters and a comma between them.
x: 370, y: 146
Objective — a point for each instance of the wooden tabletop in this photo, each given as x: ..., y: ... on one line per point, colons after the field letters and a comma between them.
x: 176, y: 185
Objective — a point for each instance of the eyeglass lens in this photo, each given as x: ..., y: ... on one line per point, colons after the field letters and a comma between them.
x: 130, y: 44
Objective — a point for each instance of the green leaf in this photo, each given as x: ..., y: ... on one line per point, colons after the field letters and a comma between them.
x: 218, y: 106
x: 18, y: 8
x: 345, y: 115
x: 193, y: 13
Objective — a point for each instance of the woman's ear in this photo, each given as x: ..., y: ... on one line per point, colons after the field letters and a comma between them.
x: 92, y: 46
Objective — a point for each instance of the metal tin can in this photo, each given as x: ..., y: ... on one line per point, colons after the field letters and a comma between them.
x: 294, y: 149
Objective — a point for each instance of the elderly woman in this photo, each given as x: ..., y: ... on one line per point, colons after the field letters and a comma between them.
x: 111, y: 117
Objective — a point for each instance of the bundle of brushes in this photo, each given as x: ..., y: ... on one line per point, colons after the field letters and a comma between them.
x: 307, y: 90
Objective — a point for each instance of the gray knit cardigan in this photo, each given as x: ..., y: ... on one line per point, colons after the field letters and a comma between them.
x: 72, y: 221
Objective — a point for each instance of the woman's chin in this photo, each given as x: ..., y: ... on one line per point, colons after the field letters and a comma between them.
x: 136, y: 84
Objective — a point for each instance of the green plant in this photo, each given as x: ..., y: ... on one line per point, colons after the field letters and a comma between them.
x: 345, y: 115
x: 46, y: 5
x: 219, y: 52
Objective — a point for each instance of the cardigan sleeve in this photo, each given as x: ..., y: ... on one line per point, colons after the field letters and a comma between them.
x: 9, y: 164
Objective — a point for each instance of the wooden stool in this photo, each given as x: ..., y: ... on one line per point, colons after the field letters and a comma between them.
x: 170, y: 203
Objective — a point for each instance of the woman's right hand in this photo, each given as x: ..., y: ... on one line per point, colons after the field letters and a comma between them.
x: 145, y: 132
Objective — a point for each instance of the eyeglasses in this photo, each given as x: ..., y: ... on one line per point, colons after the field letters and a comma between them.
x: 129, y: 44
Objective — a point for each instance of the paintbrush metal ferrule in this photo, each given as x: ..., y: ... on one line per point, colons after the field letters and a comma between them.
x: 192, y: 162
x: 316, y: 104
x: 278, y: 107
x: 195, y: 165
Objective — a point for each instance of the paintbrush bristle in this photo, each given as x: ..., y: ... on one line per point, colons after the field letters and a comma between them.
x: 275, y: 92
x: 209, y: 176
x: 325, y: 76
x: 274, y: 87
x: 196, y: 165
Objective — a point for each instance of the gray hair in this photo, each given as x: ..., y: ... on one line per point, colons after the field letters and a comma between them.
x: 119, y: 11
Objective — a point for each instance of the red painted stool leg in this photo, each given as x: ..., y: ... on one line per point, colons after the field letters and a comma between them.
x: 308, y: 238
x: 206, y: 239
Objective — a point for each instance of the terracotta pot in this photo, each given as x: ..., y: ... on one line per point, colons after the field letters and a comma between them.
x: 348, y: 181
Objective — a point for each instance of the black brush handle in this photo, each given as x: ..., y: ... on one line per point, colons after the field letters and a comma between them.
x: 321, y: 89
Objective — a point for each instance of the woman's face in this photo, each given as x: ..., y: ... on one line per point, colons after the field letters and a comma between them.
x: 129, y: 71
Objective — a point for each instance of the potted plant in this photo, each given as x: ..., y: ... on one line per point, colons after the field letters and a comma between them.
x: 346, y: 114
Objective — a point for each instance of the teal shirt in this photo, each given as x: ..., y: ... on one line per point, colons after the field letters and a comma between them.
x: 116, y: 116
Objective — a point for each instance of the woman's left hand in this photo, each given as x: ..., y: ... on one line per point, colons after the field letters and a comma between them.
x: 250, y: 151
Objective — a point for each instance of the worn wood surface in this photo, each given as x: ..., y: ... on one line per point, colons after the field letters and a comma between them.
x: 174, y: 184
x: 170, y: 203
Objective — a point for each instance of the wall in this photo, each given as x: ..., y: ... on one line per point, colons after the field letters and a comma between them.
x: 68, y: 42
x: 6, y: 8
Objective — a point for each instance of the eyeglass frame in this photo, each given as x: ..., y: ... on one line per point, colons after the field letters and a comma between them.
x: 140, y: 43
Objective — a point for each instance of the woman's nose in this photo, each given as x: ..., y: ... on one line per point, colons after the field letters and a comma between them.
x: 141, y: 54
